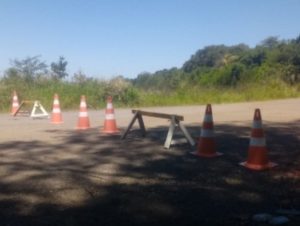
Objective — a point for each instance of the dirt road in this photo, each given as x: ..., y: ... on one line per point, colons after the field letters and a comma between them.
x: 26, y: 129
x: 55, y: 175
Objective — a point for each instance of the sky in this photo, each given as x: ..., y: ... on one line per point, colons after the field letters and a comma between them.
x: 107, y: 38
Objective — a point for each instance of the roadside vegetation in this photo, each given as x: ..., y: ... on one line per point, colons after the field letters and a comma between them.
x: 214, y: 74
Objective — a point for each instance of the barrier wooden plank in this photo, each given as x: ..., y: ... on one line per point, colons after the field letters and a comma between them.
x: 159, y: 115
x: 24, y: 108
x: 174, y: 123
x: 33, y: 109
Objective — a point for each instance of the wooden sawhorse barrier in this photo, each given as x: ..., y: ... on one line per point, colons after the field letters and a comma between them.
x: 36, y: 111
x: 175, y: 122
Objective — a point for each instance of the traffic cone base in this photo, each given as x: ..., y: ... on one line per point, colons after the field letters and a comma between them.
x: 208, y: 155
x: 258, y: 159
x: 82, y: 128
x: 110, y: 127
x: 110, y: 132
x: 56, y: 120
x: 83, y: 124
x: 258, y: 166
x: 207, y: 147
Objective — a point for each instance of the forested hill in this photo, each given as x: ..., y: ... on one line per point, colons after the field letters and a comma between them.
x: 229, y: 66
x: 214, y: 74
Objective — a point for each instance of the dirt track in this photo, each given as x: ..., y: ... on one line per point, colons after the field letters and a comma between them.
x: 55, y: 175
x: 27, y: 129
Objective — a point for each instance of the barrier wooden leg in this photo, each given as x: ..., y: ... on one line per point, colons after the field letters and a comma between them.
x: 142, y: 125
x: 130, y: 125
x: 38, y: 111
x: 19, y: 108
x: 186, y: 134
x: 170, y: 133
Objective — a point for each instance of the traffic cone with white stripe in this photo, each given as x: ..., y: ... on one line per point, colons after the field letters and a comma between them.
x: 110, y: 125
x: 83, y: 119
x: 56, y: 117
x: 257, y: 152
x: 206, y: 143
x: 15, y: 103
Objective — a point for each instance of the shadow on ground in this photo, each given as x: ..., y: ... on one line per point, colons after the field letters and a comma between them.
x: 87, y: 178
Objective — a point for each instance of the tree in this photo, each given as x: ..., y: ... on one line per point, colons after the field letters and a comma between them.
x: 228, y: 59
x: 29, y: 68
x: 142, y: 80
x: 270, y: 42
x: 254, y: 57
x: 297, y: 40
x: 210, y: 56
x: 80, y: 77
x: 59, y: 68
x: 11, y: 73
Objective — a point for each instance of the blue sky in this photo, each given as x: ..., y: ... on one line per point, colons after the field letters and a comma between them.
x: 106, y: 38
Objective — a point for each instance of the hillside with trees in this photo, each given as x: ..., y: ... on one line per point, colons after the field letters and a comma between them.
x: 228, y: 66
x: 215, y: 74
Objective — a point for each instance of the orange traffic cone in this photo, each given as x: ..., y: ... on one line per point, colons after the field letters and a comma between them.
x: 56, y: 117
x: 110, y: 121
x: 83, y: 119
x: 257, y: 153
x: 15, y: 103
x: 206, y: 143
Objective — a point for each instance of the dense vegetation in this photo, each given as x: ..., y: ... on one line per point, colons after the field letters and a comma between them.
x: 231, y: 73
x: 215, y: 73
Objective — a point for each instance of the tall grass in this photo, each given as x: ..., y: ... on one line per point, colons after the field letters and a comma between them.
x: 201, y: 95
x: 125, y: 95
x: 69, y: 94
